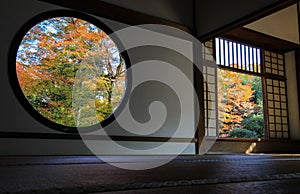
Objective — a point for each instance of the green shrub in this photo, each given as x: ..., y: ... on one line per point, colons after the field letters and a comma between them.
x: 242, y: 133
x: 255, y: 123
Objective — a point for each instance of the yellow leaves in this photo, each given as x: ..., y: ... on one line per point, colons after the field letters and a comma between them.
x: 235, y: 93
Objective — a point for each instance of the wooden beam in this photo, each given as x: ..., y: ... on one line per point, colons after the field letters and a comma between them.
x: 21, y: 135
x: 297, y: 56
x: 113, y: 12
x: 200, y: 111
x: 239, y: 22
x: 261, y: 40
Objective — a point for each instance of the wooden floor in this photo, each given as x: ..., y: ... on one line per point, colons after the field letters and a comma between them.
x: 185, y: 174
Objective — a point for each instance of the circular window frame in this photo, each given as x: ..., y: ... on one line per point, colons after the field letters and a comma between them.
x: 14, y: 82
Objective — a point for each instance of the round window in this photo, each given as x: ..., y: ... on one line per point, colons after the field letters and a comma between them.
x: 48, y: 62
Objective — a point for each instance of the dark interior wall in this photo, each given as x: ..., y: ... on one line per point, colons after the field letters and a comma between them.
x: 14, y: 118
x: 204, y: 17
x: 14, y: 14
x: 177, y: 11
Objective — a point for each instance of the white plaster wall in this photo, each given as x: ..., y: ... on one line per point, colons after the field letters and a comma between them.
x: 294, y: 119
x: 282, y: 24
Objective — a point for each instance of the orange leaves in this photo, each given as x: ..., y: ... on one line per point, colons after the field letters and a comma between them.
x: 28, y: 76
x: 235, y: 94
x: 51, y: 56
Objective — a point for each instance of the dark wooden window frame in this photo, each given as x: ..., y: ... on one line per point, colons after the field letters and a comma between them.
x: 102, y: 9
x: 14, y: 78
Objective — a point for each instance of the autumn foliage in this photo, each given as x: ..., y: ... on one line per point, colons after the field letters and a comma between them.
x: 239, y: 100
x: 49, y: 58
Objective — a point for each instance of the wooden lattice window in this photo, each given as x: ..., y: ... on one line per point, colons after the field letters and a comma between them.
x: 243, y: 58
x: 210, y: 90
x: 276, y: 96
